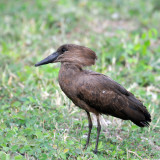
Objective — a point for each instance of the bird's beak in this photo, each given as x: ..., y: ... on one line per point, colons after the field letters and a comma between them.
x: 50, y: 59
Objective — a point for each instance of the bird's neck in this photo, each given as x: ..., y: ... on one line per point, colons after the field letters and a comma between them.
x: 71, y: 67
x: 68, y: 76
x: 68, y: 72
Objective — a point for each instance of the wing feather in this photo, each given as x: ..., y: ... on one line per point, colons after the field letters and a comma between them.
x: 109, y: 97
x: 103, y: 94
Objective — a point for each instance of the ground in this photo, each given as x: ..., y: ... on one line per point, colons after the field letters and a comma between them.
x: 37, y: 121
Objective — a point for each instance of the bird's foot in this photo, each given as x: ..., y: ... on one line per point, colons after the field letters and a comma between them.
x: 85, y: 147
x: 95, y: 151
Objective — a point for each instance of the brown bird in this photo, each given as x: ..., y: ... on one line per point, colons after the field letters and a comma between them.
x: 92, y: 91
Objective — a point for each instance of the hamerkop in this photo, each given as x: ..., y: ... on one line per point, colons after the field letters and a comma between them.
x: 92, y: 91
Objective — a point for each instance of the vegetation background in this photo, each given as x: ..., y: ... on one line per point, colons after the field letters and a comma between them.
x: 37, y: 121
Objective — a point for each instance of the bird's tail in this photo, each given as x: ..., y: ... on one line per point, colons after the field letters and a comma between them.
x: 144, y: 122
x: 138, y: 113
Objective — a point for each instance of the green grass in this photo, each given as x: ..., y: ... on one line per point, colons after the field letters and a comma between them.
x: 37, y: 121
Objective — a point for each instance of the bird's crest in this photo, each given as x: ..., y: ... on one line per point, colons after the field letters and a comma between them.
x: 79, y: 55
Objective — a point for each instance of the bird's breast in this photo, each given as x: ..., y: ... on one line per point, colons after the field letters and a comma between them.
x: 67, y: 81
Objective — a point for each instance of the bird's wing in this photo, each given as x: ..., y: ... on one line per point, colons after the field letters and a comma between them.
x: 103, y: 94
x: 108, y: 97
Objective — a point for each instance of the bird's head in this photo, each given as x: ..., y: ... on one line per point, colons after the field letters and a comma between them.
x: 71, y: 53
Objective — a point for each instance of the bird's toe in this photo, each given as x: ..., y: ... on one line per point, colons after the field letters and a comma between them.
x: 85, y: 147
x: 95, y: 151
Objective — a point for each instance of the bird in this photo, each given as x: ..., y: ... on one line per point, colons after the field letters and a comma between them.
x: 94, y: 92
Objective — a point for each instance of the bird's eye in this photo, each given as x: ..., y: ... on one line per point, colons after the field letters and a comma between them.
x: 64, y: 49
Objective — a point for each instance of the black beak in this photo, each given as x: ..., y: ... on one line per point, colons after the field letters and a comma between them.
x: 50, y: 59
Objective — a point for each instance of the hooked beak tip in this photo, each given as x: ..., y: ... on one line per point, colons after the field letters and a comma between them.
x: 50, y: 59
x: 36, y: 65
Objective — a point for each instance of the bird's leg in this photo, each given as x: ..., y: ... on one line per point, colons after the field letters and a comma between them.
x: 98, y: 132
x: 90, y: 128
